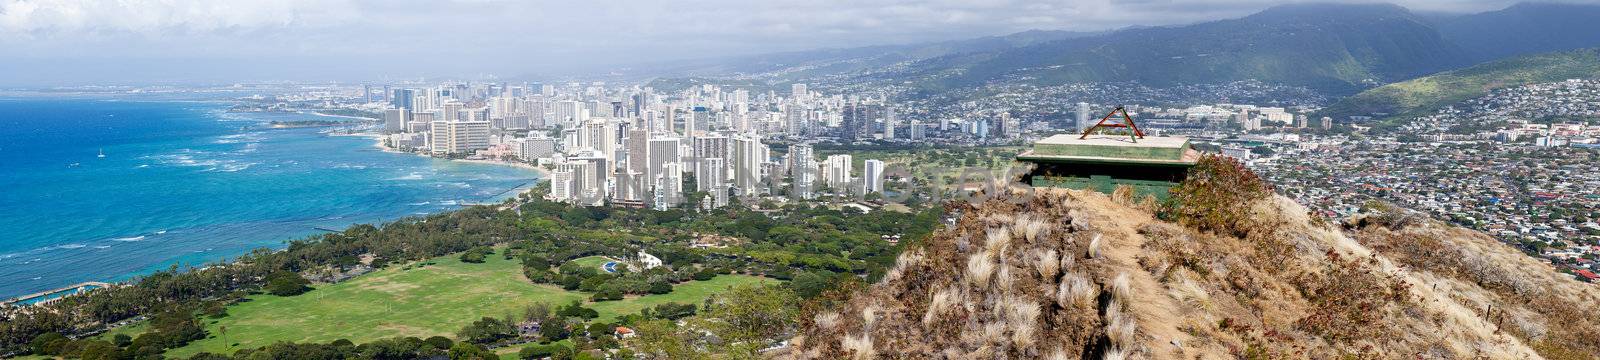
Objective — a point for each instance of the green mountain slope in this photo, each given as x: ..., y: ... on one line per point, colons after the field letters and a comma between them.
x: 1338, y: 48
x: 1432, y: 92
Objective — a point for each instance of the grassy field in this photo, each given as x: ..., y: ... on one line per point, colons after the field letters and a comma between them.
x: 692, y: 292
x: 592, y: 261
x: 421, y: 301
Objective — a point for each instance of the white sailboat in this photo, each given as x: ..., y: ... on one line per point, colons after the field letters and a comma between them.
x: 102, y: 153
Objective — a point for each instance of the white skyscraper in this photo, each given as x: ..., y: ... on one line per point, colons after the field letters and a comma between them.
x: 872, y: 177
x: 836, y: 171
x: 712, y: 178
x: 663, y: 151
x: 1083, y: 117
x: 561, y: 184
x: 748, y: 155
x: 459, y: 137
x: 394, y: 120
x: 803, y: 170
x: 668, y: 186
x: 798, y: 92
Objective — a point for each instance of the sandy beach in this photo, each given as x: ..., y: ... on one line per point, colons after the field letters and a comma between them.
x: 379, y: 141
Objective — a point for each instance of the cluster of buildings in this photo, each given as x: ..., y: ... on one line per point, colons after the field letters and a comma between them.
x: 1539, y: 198
x: 1547, y: 114
x: 634, y: 146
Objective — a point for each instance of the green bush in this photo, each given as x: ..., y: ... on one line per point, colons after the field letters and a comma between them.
x: 660, y: 287
x: 285, y: 283
x: 476, y: 255
x: 537, y: 351
x: 1216, y: 195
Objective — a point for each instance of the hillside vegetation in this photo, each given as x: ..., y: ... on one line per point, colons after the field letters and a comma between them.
x: 1428, y: 93
x: 1063, y: 274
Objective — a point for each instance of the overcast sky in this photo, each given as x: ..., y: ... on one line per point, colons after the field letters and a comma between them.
x: 70, y: 42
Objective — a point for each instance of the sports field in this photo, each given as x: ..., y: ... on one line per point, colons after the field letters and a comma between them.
x: 421, y: 301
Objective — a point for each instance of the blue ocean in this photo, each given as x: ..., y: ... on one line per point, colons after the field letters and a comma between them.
x: 191, y: 183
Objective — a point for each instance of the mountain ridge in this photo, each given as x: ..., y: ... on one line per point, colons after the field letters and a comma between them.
x: 1428, y: 93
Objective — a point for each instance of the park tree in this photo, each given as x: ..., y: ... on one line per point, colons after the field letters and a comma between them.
x: 660, y: 287
x: 439, y: 342
x: 541, y: 351
x: 285, y: 283
x: 486, y: 330
x: 465, y: 351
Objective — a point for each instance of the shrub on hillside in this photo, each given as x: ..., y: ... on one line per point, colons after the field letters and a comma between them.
x: 285, y: 283
x: 476, y: 255
x: 1216, y: 196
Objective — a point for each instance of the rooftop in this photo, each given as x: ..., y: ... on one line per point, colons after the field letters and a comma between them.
x: 1154, y: 150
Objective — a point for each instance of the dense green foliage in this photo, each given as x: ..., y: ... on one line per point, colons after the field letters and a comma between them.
x: 1218, y: 195
x: 286, y: 283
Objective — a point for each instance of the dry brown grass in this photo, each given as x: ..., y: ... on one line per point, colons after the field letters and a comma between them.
x: 1073, y: 275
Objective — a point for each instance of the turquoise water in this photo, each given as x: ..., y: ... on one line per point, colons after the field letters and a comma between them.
x: 189, y: 183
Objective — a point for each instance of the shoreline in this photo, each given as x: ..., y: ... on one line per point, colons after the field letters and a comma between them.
x: 378, y: 142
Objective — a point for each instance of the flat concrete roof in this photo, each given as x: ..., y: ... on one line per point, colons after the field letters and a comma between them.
x: 1151, y: 150
x: 1114, y: 140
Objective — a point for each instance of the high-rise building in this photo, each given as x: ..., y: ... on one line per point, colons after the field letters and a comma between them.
x: 459, y: 137
x: 403, y: 98
x: 562, y: 184
x: 421, y: 121
x: 802, y: 170
x: 451, y: 110
x: 394, y: 120
x: 536, y: 148
x: 709, y: 146
x: 798, y: 120
x: 889, y: 122
x: 668, y: 186
x: 1083, y: 117
x: 1327, y: 123
x: 836, y: 172
x: 748, y: 156
x: 711, y: 175
x: 638, y: 146
x: 569, y: 112
x: 872, y: 176
x: 1009, y: 127
x: 593, y: 177
x: 662, y: 151
x: 798, y: 92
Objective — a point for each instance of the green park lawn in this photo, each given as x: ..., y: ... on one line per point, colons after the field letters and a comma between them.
x: 592, y: 262
x: 421, y: 301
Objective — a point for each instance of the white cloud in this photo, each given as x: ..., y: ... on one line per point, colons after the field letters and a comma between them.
x: 48, y: 18
x: 454, y: 37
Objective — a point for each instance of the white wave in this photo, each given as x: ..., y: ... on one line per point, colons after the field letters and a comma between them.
x: 71, y: 246
x: 421, y: 203
x: 161, y: 232
x: 411, y: 176
x: 234, y: 166
x: 102, y: 246
x: 129, y: 239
